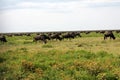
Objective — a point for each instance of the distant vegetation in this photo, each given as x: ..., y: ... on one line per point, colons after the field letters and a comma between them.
x: 88, y: 57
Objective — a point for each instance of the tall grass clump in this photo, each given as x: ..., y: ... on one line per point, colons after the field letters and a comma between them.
x: 47, y: 46
x: 103, y: 54
x: 85, y: 54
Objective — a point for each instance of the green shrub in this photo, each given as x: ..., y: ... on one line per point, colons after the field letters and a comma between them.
x: 107, y: 76
x: 51, y: 74
x: 82, y: 54
x: 27, y: 66
x: 83, y: 75
x: 103, y: 54
x: 2, y: 59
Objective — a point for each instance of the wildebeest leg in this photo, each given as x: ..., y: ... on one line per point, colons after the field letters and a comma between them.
x: 105, y: 37
x: 110, y: 37
x: 44, y: 41
x: 60, y: 39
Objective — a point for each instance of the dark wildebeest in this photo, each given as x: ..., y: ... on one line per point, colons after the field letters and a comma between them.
x: 42, y: 37
x: 28, y: 34
x: 56, y: 36
x: 69, y: 35
x: 18, y: 34
x: 109, y: 34
x: 87, y: 32
x: 76, y: 34
x: 3, y: 39
x: 102, y: 32
x: 9, y: 35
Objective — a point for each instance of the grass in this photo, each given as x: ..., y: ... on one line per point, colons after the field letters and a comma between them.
x: 85, y: 58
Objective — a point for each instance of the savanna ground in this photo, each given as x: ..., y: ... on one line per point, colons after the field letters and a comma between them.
x: 89, y: 57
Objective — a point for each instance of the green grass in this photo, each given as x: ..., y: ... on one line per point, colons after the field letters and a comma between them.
x: 85, y: 58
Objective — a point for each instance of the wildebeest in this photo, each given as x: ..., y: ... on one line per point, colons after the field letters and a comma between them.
x: 87, y: 32
x: 56, y: 36
x: 28, y: 34
x: 109, y: 34
x: 76, y: 34
x: 102, y: 32
x: 41, y: 37
x: 71, y: 35
x: 68, y: 35
x: 9, y: 35
x: 18, y: 34
x: 3, y: 39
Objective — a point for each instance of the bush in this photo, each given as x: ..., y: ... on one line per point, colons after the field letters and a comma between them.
x: 103, y: 54
x: 107, y: 76
x: 28, y: 66
x: 2, y: 59
x: 52, y: 74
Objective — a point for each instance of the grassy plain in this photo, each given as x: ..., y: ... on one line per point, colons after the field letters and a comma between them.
x: 89, y: 57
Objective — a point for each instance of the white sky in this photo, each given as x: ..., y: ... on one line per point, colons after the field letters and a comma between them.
x: 58, y: 15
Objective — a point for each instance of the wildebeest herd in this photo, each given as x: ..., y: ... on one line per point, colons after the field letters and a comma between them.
x: 57, y: 36
x: 44, y: 37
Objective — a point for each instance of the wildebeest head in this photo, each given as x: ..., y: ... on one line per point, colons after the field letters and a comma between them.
x: 113, y: 37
